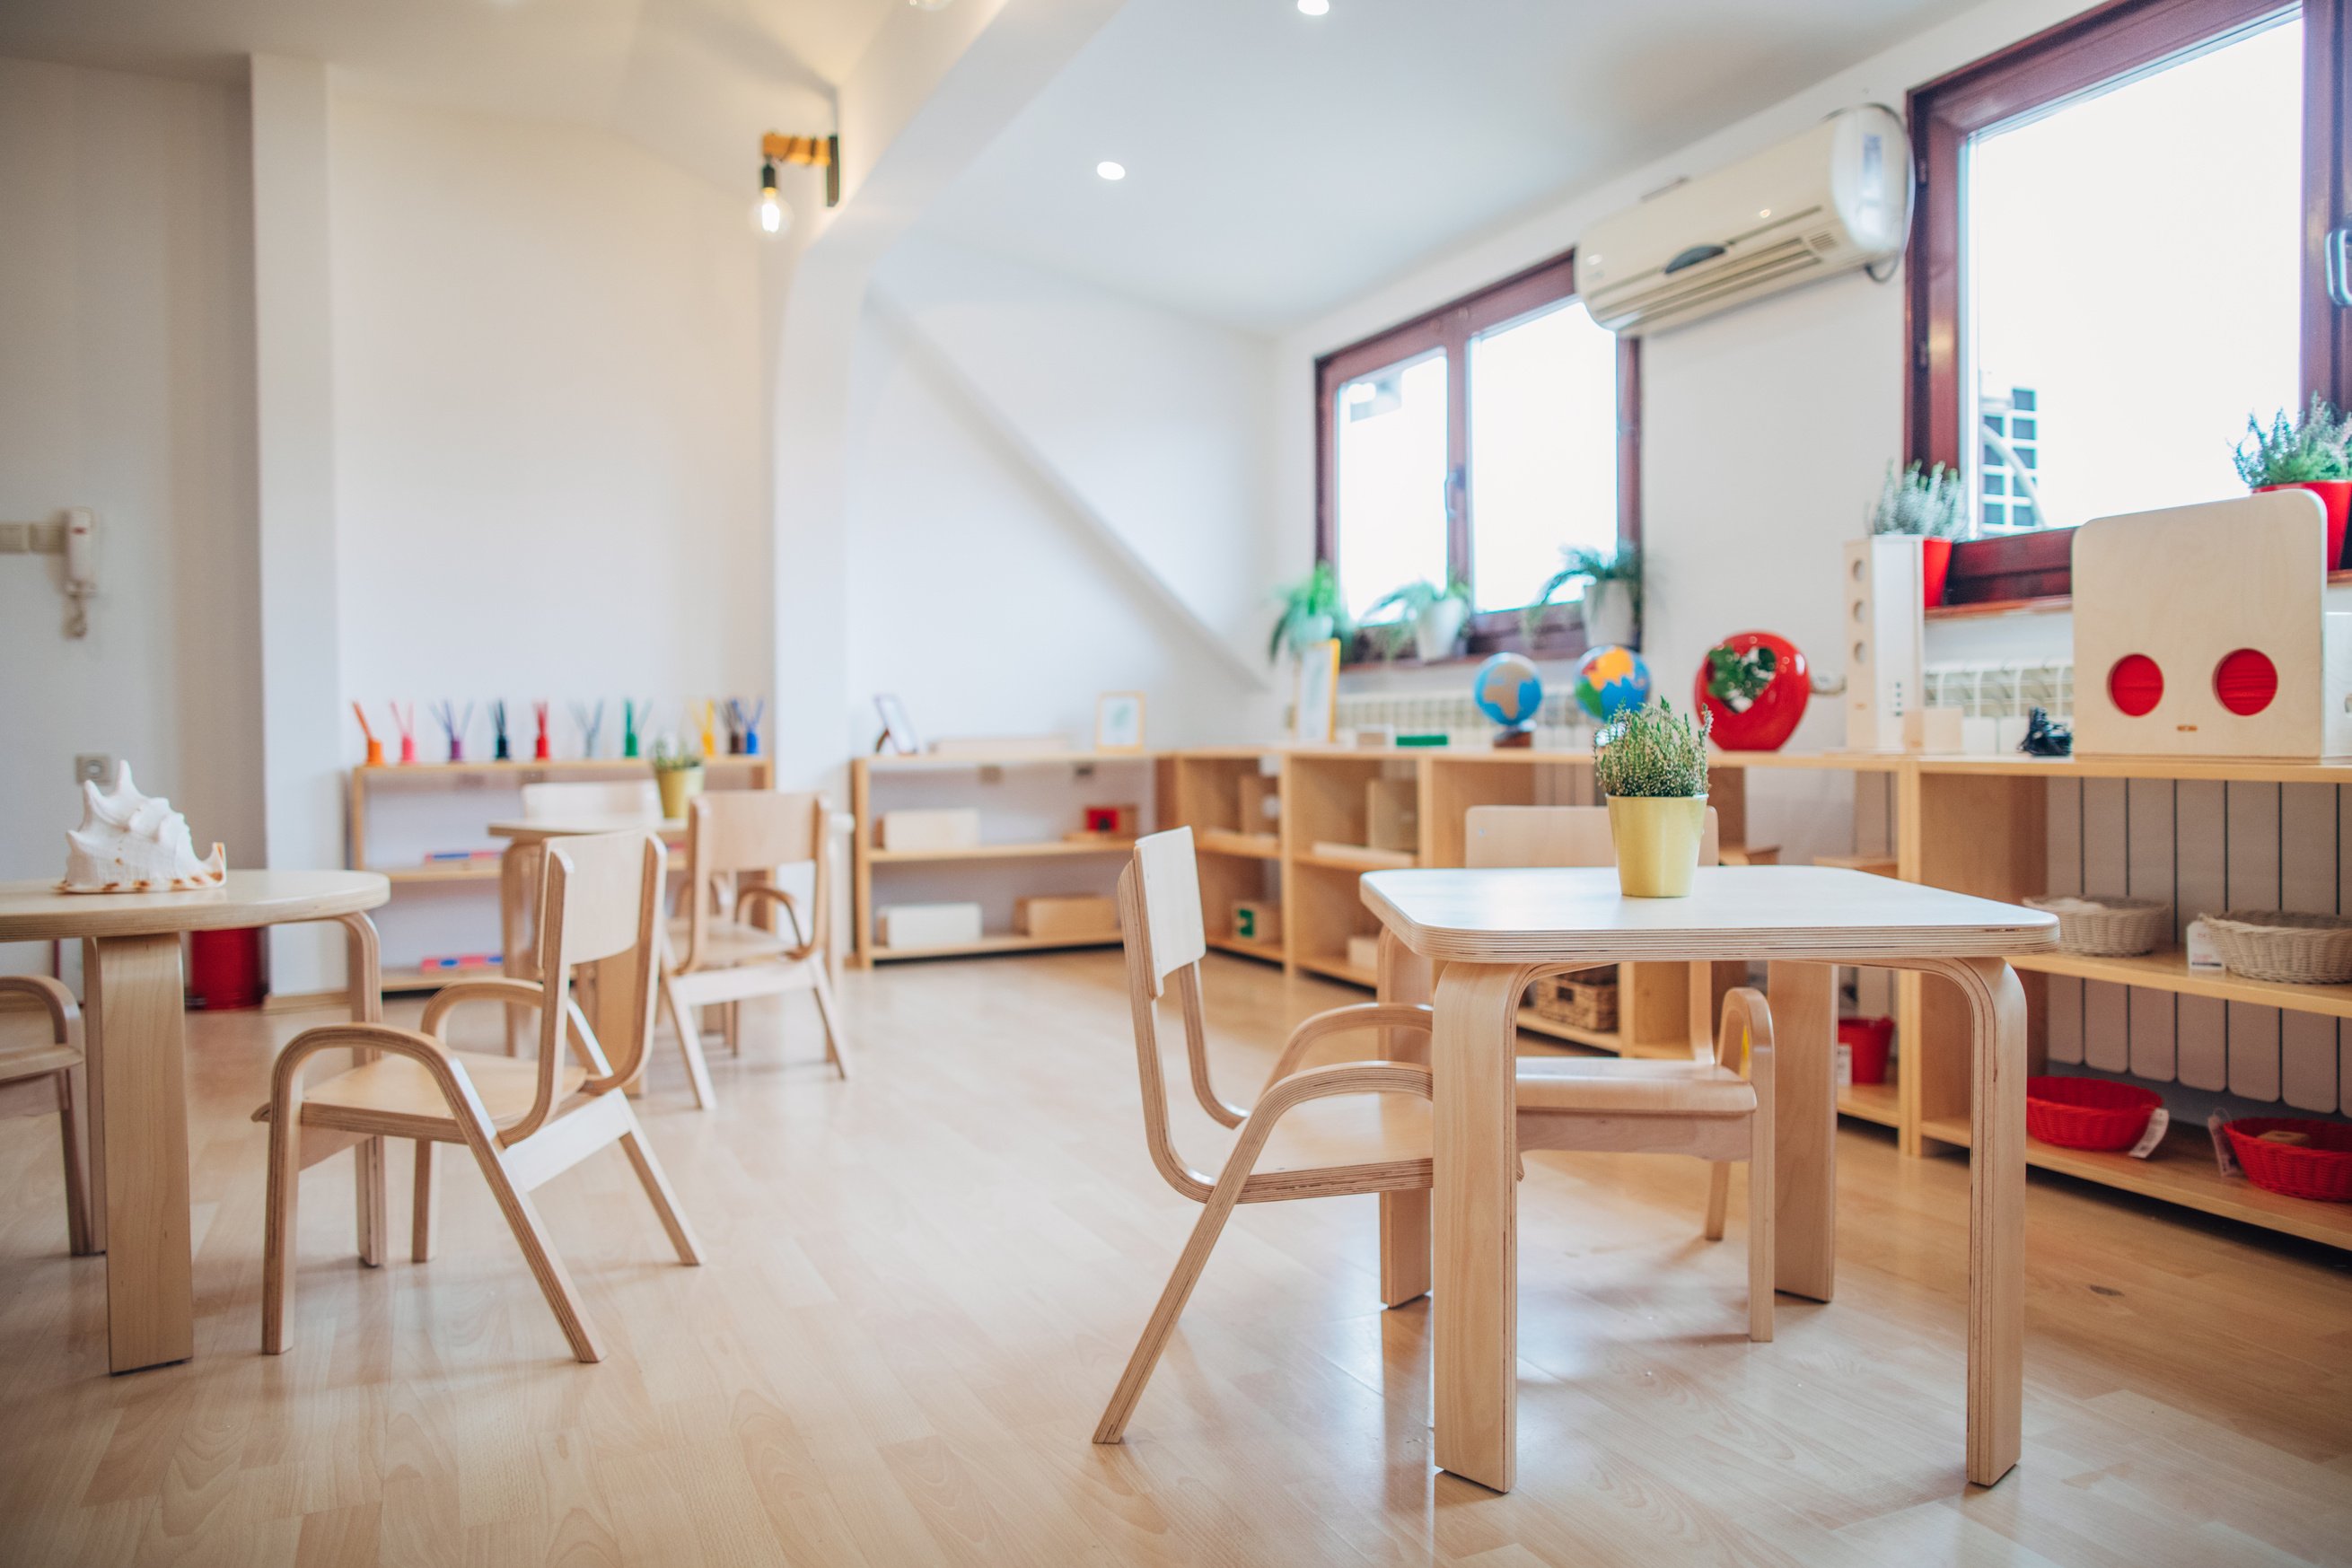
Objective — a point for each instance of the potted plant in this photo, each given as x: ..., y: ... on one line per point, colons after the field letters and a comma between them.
x: 678, y: 773
x: 1434, y: 616
x: 1926, y: 504
x: 1312, y: 612
x: 2314, y: 453
x: 1613, y: 593
x: 1652, y: 764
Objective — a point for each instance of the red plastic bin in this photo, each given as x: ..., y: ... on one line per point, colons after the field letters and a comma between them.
x: 2087, y: 1112
x: 2321, y: 1170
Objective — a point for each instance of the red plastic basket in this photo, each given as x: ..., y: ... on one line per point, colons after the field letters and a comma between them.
x: 2087, y: 1112
x: 2320, y: 1169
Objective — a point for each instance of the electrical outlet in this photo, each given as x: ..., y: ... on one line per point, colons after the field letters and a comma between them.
x: 93, y: 767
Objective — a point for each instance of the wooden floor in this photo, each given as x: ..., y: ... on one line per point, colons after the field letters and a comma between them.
x: 923, y: 1283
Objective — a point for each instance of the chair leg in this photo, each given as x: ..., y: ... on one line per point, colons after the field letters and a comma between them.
x: 689, y: 1045
x: 278, y: 1244
x: 1761, y: 1258
x: 835, y: 1047
x: 731, y: 1021
x: 78, y: 1236
x: 656, y: 1182
x: 1163, y: 1317
x: 424, y: 1207
x: 531, y: 1235
x: 1718, y: 1197
x: 368, y: 1186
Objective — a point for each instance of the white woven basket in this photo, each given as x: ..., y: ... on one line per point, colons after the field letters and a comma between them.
x: 2107, y: 927
x: 2283, y: 945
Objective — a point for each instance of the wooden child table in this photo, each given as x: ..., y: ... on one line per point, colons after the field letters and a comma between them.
x: 1486, y: 933
x: 138, y: 1088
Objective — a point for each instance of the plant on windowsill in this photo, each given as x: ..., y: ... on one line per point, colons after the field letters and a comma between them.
x: 1613, y: 593
x: 1925, y: 504
x: 1651, y: 762
x: 678, y: 774
x: 1434, y: 616
x: 2313, y: 453
x: 1312, y: 612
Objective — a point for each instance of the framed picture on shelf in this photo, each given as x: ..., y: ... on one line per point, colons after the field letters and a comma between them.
x: 1316, y: 711
x: 897, y: 734
x: 1119, y: 721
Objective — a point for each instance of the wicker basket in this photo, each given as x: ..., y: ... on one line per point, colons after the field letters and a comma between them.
x: 1578, y: 1002
x: 2107, y: 927
x: 2320, y: 1169
x: 2087, y: 1112
x: 2283, y: 945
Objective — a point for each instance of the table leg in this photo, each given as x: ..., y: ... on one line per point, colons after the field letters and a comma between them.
x: 1996, y: 1216
x: 138, y: 1074
x: 1804, y: 999
x: 1405, y: 976
x: 1474, y: 1305
x: 93, y: 1098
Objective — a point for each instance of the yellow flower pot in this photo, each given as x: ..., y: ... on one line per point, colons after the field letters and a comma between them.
x: 677, y: 785
x: 1657, y: 839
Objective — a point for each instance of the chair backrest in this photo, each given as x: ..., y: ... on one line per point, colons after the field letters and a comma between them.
x: 599, y: 900
x: 627, y: 799
x: 1160, y: 928
x: 734, y: 832
x: 1495, y: 836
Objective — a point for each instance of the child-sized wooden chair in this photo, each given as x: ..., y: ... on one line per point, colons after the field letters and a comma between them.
x: 60, y: 1062
x: 1160, y: 915
x: 718, y: 958
x: 526, y: 1122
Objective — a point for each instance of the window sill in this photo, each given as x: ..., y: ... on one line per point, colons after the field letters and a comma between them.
x: 2051, y: 604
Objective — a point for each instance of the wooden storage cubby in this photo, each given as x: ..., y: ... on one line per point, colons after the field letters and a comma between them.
x: 1240, y: 858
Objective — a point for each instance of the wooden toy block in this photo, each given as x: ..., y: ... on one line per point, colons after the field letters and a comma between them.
x: 951, y: 829
x: 1065, y: 917
x: 928, y: 925
x: 1256, y: 920
x: 1116, y: 822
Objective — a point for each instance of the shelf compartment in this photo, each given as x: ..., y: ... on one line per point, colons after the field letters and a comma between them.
x: 2168, y: 970
x: 1607, y: 1040
x: 1007, y: 942
x: 1242, y: 846
x: 1373, y: 860
x: 1879, y: 1102
x: 1044, y: 850
x: 1339, y: 969
x: 2182, y: 1171
x: 1270, y: 952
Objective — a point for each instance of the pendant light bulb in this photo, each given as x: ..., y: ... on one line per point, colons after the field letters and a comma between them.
x: 771, y: 206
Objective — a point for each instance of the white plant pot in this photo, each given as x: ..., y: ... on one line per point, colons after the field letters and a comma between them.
x: 1310, y: 630
x: 1438, y: 628
x: 1609, y: 614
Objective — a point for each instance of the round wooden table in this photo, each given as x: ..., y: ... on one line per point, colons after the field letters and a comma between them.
x: 138, y: 1093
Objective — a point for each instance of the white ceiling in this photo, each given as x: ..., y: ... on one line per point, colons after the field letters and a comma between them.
x: 693, y: 81
x: 1278, y: 164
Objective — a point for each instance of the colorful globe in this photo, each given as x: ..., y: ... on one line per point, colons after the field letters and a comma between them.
x: 1509, y: 690
x: 1610, y: 680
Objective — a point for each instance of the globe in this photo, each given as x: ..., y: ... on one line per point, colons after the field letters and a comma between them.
x: 1509, y: 690
x: 1610, y: 680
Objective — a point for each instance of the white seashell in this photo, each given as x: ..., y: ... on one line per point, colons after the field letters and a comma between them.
x: 130, y: 843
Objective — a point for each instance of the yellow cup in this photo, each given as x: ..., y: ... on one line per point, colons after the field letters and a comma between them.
x: 1656, y: 837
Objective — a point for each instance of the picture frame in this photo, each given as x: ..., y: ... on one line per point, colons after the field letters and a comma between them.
x: 1315, y: 712
x: 1119, y: 721
x: 897, y: 730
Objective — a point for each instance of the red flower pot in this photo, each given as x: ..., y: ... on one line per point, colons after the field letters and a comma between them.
x: 1866, y: 1041
x: 1934, y: 566
x: 2335, y: 495
x: 1765, y: 721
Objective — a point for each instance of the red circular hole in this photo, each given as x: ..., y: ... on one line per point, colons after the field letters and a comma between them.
x: 2245, y: 681
x: 2136, y: 684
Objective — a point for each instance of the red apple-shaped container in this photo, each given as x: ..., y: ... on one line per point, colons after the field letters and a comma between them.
x: 1756, y: 686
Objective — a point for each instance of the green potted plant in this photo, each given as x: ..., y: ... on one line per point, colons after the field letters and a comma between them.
x: 2313, y: 453
x: 1613, y: 593
x: 1312, y: 612
x: 678, y: 774
x: 1651, y: 762
x: 1432, y: 614
x: 1928, y: 504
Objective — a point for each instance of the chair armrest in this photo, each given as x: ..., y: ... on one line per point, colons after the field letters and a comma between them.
x: 1746, y: 1019
x: 516, y: 993
x: 64, y: 1011
x: 792, y: 909
x: 285, y: 1074
x: 1343, y: 1020
x: 1342, y: 1078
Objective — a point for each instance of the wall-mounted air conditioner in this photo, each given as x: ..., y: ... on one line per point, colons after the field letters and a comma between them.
x: 1836, y: 198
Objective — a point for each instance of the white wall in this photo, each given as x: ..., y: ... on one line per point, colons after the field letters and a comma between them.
x: 1055, y: 492
x: 126, y: 385
x: 552, y: 459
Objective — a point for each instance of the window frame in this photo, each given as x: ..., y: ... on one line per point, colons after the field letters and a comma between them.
x: 1450, y: 328
x: 2076, y: 54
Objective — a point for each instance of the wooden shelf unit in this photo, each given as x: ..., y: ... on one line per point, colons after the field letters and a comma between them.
x: 1138, y: 778
x: 494, y: 789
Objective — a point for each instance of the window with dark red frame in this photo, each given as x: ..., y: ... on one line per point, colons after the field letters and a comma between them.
x: 1450, y: 331
x: 2098, y: 48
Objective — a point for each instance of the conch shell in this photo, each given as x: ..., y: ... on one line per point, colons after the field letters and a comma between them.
x: 130, y: 843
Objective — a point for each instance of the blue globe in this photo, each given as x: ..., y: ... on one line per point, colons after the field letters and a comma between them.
x: 1610, y: 680
x: 1507, y: 691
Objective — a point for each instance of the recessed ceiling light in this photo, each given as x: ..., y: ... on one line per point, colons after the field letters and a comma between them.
x: 1314, y: 7
x: 1110, y: 171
